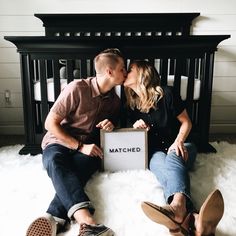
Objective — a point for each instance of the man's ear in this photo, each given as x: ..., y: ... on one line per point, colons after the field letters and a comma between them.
x: 109, y: 71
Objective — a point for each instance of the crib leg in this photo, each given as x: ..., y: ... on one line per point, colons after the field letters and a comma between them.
x: 206, y: 148
x: 30, y: 149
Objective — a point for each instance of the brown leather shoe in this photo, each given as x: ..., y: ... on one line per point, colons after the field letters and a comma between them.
x: 165, y: 216
x: 210, y: 214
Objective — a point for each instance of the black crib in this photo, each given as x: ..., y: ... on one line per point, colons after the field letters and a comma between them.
x: 72, y: 40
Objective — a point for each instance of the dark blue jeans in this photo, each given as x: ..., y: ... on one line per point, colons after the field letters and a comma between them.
x: 69, y: 171
x: 172, y: 172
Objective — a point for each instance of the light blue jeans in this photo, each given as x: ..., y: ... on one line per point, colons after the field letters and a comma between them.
x: 172, y: 173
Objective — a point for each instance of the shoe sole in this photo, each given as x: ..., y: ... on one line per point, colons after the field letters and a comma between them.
x: 41, y: 227
x: 160, y: 216
x: 157, y: 215
x: 211, y: 211
x: 107, y: 234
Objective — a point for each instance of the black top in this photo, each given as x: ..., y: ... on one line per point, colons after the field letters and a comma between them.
x: 162, y: 121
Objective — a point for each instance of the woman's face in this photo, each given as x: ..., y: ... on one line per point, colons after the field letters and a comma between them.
x: 132, y: 77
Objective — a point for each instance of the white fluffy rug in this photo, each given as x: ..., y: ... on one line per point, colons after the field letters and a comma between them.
x: 26, y: 192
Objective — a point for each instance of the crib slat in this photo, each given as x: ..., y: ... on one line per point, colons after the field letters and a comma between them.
x: 36, y: 70
x: 38, y: 117
x: 91, y: 68
x: 83, y: 68
x: 163, y: 71
x: 56, y: 79
x: 69, y: 70
x: 43, y: 87
x: 152, y: 61
x: 49, y: 71
x: 197, y: 68
x: 177, y: 76
x: 205, y: 96
x: 28, y: 95
x: 172, y: 66
x: 190, y: 86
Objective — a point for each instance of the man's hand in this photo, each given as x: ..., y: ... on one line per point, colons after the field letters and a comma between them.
x: 106, y: 125
x: 91, y: 150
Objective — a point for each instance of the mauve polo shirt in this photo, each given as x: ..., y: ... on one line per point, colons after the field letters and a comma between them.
x: 82, y: 107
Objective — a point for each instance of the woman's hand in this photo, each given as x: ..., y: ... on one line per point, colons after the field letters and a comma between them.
x: 140, y: 124
x: 106, y: 125
x: 91, y: 150
x: 180, y: 149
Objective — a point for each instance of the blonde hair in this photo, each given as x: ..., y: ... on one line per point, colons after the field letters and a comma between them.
x: 148, y: 87
x: 109, y: 57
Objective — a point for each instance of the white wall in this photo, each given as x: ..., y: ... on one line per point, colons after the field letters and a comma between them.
x: 217, y: 17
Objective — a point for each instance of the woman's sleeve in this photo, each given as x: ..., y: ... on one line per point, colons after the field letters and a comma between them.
x: 179, y: 105
x: 176, y: 103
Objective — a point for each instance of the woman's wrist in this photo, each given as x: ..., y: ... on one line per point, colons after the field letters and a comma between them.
x: 179, y: 141
x: 180, y: 138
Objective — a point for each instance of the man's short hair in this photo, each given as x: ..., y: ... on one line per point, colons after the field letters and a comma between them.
x: 108, y: 57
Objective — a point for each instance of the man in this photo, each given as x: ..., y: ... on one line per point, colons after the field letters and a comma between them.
x: 71, y: 152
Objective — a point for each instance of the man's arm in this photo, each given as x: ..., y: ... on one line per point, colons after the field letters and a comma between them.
x: 53, y: 125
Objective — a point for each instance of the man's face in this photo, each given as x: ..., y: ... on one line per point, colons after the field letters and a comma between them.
x: 119, y: 73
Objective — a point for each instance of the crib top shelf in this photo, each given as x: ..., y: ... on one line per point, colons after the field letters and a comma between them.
x: 143, y: 45
x: 71, y: 23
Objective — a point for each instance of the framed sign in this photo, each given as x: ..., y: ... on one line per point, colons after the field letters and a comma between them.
x: 124, y: 149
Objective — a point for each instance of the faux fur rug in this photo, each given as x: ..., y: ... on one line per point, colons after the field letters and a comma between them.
x: 26, y: 192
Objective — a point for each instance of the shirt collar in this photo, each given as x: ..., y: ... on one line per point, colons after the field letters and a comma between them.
x: 95, y: 89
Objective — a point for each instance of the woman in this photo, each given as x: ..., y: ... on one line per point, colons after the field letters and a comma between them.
x: 156, y: 109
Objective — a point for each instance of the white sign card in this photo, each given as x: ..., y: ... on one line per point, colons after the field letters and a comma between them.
x: 124, y: 149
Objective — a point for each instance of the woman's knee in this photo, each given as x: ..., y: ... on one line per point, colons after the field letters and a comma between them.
x: 156, y: 160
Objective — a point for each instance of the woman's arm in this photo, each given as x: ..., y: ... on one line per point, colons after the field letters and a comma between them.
x: 185, y: 127
x: 184, y: 131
